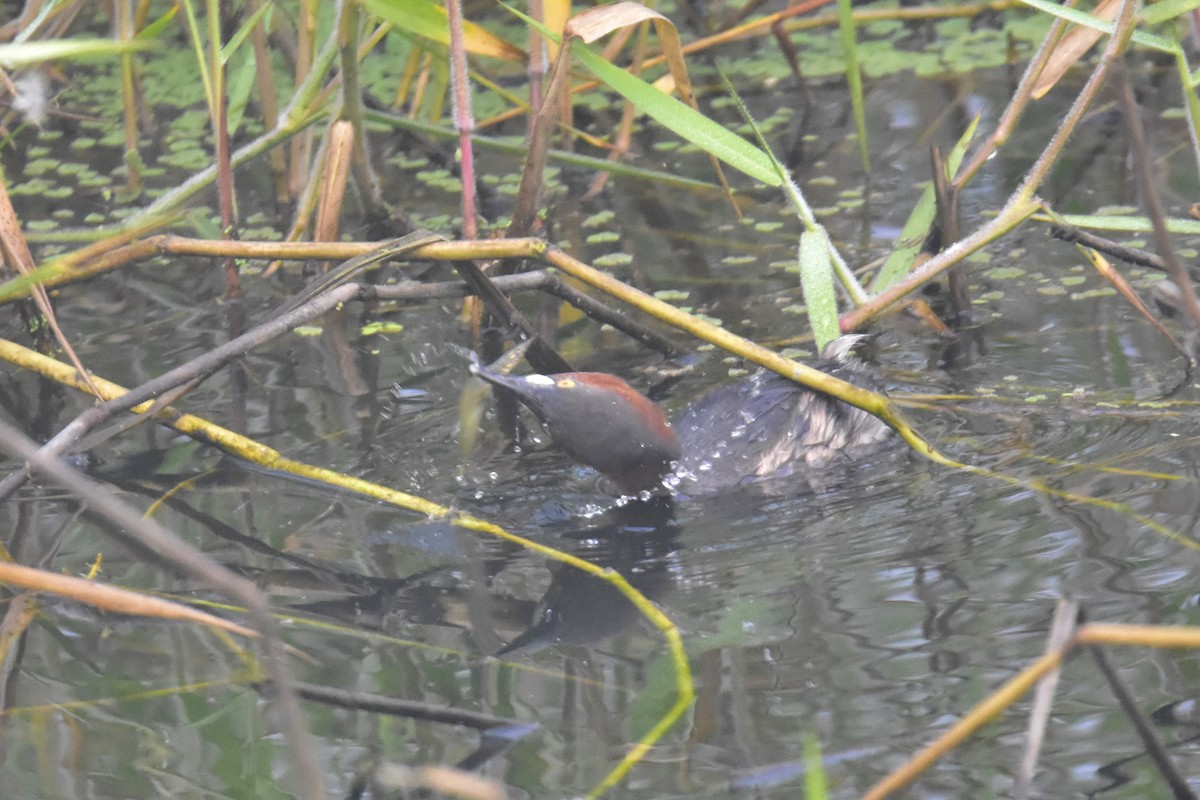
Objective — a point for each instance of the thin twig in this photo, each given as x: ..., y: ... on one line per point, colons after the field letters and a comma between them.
x: 382, y: 704
x: 541, y: 281
x: 1062, y: 629
x: 1130, y: 255
x: 1154, y: 746
x: 464, y: 118
x: 1150, y: 195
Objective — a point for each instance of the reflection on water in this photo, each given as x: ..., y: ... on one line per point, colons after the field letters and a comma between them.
x: 870, y: 612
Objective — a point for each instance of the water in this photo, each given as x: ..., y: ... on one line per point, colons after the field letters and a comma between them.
x: 870, y: 612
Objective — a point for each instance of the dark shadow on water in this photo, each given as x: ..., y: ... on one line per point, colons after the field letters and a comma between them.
x: 637, y: 540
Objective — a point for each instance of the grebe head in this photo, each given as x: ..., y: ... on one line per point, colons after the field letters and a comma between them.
x: 601, y: 421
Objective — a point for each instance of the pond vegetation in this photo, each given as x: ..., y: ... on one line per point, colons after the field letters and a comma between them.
x: 294, y: 548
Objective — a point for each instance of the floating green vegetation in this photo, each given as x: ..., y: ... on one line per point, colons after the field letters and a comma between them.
x: 1103, y: 291
x: 435, y: 222
x: 265, y: 233
x: 40, y: 166
x: 94, y: 180
x: 1004, y: 273
x: 373, y: 328
x: 192, y: 158
x: 30, y: 187
x: 440, y: 179
x: 600, y: 218
x: 613, y: 260
x: 405, y: 162
x: 603, y: 237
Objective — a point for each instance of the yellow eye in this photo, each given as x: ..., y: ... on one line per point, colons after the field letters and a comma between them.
x: 566, y: 383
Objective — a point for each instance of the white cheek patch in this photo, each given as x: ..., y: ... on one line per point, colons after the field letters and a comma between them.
x: 539, y: 380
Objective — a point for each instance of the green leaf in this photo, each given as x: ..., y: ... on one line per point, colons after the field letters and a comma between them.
x: 236, y: 40
x: 22, y: 285
x: 676, y: 116
x: 159, y: 25
x: 1168, y: 9
x: 423, y: 19
x: 816, y: 282
x: 16, y: 56
x: 428, y: 20
x: 919, y: 221
x: 816, y: 787
x: 241, y: 84
x: 1129, y: 224
x: 684, y: 121
x: 193, y: 29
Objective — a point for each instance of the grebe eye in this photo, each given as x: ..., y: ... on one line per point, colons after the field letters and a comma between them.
x: 566, y: 383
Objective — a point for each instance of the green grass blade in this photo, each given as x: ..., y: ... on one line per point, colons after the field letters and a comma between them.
x: 16, y: 56
x: 1168, y: 9
x: 1191, y: 104
x: 236, y: 40
x: 241, y: 85
x: 428, y: 20
x: 846, y: 30
x: 424, y: 19
x: 684, y: 121
x: 156, y: 28
x: 816, y: 283
x: 1129, y: 224
x: 816, y: 785
x: 193, y: 29
x: 22, y: 285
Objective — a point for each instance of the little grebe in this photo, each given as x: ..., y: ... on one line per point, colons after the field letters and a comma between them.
x: 763, y: 427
